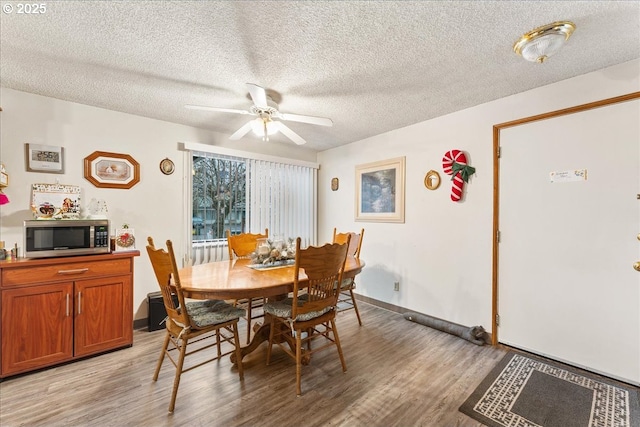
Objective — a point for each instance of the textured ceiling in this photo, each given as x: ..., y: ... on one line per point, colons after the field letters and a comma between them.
x: 370, y: 66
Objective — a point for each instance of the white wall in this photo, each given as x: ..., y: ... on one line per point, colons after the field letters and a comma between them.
x: 442, y: 254
x: 153, y: 207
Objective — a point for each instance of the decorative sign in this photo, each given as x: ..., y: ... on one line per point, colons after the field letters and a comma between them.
x: 569, y: 176
x: 55, y: 201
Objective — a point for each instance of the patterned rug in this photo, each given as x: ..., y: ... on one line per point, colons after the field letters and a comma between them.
x: 527, y: 391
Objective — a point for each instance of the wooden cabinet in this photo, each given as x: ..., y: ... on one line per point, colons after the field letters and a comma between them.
x: 103, y: 314
x: 37, y: 326
x: 60, y: 309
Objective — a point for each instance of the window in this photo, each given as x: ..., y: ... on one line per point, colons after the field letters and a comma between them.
x: 245, y: 192
x: 219, y: 196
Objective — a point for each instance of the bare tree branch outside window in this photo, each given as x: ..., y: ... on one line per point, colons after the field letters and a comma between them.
x: 219, y: 197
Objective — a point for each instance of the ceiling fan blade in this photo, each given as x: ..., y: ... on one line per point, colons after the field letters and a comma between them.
x: 216, y: 109
x: 258, y: 95
x: 291, y: 134
x: 242, y: 131
x: 322, y: 121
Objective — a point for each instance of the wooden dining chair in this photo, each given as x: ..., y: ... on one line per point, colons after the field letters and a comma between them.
x: 312, y: 307
x: 191, y: 322
x: 242, y: 246
x: 347, y: 300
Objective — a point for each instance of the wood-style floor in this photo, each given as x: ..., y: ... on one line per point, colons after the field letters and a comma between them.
x: 399, y: 373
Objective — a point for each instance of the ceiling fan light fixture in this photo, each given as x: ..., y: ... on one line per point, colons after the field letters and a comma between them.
x: 265, y: 108
x: 264, y: 127
x: 539, y: 44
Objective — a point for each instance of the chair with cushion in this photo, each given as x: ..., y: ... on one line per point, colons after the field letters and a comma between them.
x: 191, y: 322
x: 315, y: 293
x: 242, y: 246
x: 346, y: 300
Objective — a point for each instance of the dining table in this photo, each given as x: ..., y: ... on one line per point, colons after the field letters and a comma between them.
x: 240, y: 279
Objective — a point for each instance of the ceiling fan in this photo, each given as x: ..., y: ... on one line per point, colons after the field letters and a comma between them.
x: 266, y: 110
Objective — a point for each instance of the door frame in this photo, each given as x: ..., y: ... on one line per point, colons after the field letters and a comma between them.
x: 496, y: 186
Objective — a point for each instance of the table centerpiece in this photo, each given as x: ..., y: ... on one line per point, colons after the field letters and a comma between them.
x: 271, y: 253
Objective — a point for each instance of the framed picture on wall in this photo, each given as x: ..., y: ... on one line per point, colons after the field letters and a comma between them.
x: 380, y: 191
x: 44, y: 158
x: 111, y: 170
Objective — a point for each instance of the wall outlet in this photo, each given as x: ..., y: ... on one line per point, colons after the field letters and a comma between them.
x: 396, y: 286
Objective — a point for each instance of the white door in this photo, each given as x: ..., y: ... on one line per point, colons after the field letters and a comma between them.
x: 567, y: 288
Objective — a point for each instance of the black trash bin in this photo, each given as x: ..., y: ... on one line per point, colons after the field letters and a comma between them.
x: 157, y: 312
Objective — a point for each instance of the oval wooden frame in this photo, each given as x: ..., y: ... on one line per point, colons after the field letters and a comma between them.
x: 91, y: 176
x: 432, y: 180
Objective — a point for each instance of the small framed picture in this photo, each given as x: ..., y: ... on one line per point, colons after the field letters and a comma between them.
x: 111, y: 170
x: 125, y: 240
x: 44, y: 158
x: 380, y: 191
x: 432, y: 180
x: 167, y: 166
x: 335, y: 184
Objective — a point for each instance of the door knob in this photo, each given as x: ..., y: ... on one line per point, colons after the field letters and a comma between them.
x: 636, y: 266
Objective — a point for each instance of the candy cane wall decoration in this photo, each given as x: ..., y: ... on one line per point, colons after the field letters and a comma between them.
x: 454, y: 163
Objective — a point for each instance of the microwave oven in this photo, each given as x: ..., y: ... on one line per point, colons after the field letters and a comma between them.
x: 57, y: 238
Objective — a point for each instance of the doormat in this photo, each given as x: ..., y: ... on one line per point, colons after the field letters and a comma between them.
x: 527, y: 391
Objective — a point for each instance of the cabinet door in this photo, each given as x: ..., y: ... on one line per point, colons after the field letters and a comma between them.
x: 103, y: 314
x: 37, y: 327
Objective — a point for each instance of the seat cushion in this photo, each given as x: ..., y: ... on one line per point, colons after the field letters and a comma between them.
x: 283, y: 309
x: 347, y: 284
x: 210, y: 312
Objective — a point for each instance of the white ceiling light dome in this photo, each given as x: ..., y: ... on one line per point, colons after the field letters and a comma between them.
x: 264, y: 127
x: 545, y: 41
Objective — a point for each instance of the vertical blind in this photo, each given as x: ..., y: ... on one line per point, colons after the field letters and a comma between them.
x: 282, y: 198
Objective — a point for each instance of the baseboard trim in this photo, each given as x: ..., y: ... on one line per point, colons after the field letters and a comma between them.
x: 141, y: 323
x: 401, y: 310
x: 381, y: 304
